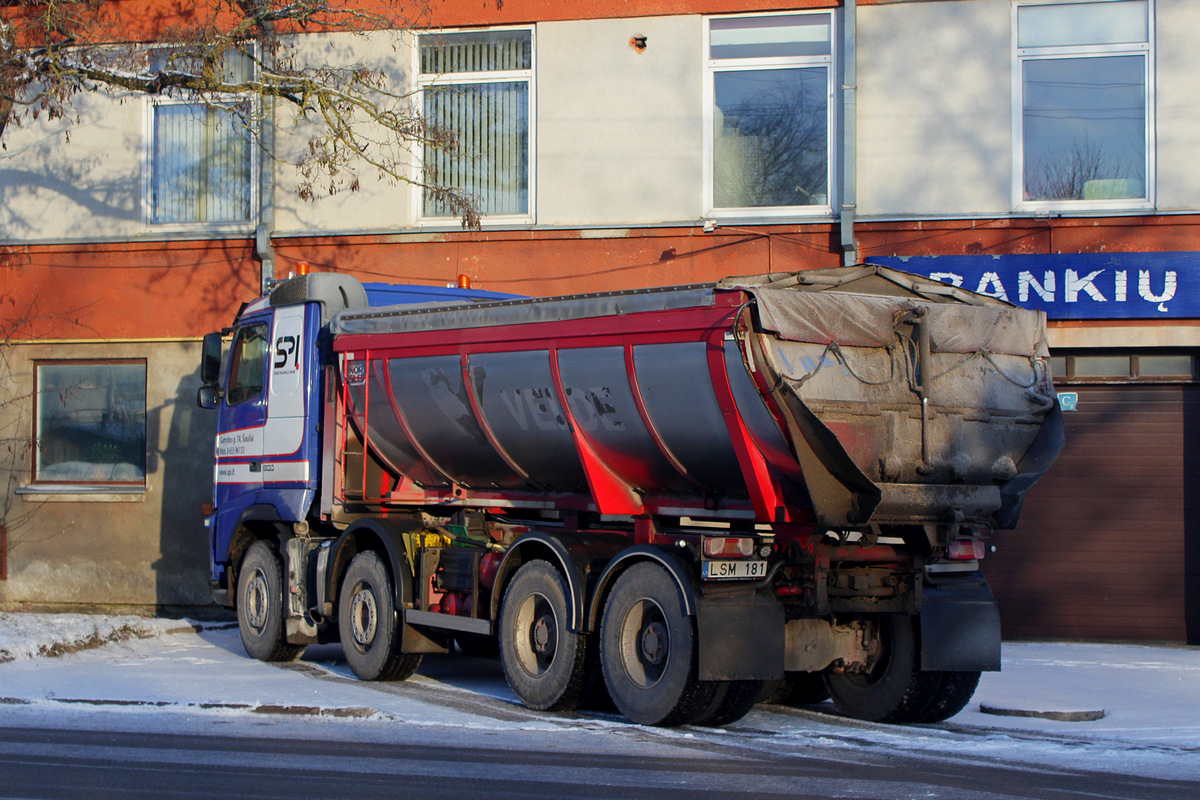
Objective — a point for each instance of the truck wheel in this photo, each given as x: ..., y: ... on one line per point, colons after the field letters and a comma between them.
x: 732, y: 701
x: 546, y: 665
x: 796, y: 689
x: 260, y: 606
x: 647, y: 651
x: 950, y: 696
x: 368, y: 624
x: 894, y: 689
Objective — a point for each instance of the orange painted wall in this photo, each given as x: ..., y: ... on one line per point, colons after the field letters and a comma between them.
x: 150, y: 20
x: 185, y: 289
x: 134, y: 290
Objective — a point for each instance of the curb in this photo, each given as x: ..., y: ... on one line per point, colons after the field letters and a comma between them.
x: 1059, y: 716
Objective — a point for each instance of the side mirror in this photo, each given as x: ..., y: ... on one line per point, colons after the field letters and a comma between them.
x: 210, y: 359
x: 207, y: 396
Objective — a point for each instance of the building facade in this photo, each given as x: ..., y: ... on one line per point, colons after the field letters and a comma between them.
x: 1039, y: 151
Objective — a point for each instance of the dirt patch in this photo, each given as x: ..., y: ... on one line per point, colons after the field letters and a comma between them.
x: 97, y: 639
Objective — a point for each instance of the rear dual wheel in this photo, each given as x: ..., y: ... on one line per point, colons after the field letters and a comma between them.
x: 895, y: 689
x: 648, y: 653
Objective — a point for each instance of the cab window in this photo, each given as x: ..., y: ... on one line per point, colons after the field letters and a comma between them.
x: 247, y: 365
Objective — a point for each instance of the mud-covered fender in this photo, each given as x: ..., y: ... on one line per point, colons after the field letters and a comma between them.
x: 739, y: 634
x: 679, y: 568
x: 386, y: 536
x: 960, y: 626
x: 578, y: 556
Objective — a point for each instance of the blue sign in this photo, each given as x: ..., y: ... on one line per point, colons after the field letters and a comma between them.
x: 1074, y: 285
x: 1068, y: 400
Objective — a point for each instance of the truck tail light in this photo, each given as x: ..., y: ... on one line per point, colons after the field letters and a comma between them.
x: 966, y: 550
x: 728, y: 547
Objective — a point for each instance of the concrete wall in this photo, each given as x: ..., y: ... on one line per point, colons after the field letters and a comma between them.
x: 935, y: 109
x: 141, y: 549
x: 1178, y: 103
x: 83, y: 179
x: 619, y: 131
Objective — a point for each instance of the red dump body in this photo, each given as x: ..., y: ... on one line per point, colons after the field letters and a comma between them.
x: 866, y: 396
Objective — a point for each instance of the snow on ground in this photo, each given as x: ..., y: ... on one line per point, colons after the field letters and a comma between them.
x: 1149, y: 696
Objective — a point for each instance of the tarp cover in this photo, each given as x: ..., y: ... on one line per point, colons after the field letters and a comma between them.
x: 862, y: 305
x: 870, y: 321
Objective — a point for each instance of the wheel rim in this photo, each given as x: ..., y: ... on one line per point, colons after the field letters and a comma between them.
x: 364, y: 616
x: 256, y: 601
x: 645, y: 640
x: 536, y: 636
x: 879, y: 669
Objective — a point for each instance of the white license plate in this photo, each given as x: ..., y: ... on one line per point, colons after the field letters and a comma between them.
x: 716, y: 570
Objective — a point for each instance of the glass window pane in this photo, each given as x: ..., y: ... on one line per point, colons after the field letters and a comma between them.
x: 201, y: 165
x: 1085, y: 128
x: 1058, y: 366
x: 1167, y: 365
x: 485, y: 51
x: 1102, y: 366
x: 1082, y: 23
x: 91, y: 423
x: 770, y: 144
x: 248, y: 363
x: 767, y: 37
x: 489, y: 124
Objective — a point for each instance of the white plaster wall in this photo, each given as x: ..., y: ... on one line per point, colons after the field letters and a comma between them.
x: 75, y: 177
x: 935, y: 108
x: 380, y: 202
x: 1178, y: 104
x: 619, y: 133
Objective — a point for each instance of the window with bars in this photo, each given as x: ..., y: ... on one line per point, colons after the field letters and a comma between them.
x: 201, y: 161
x: 476, y: 91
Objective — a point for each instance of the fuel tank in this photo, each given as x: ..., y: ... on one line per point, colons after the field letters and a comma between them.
x: 841, y: 397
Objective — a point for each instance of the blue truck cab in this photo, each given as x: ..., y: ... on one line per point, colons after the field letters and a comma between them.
x: 268, y: 396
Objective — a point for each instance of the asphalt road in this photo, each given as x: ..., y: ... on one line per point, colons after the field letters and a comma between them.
x: 248, y: 762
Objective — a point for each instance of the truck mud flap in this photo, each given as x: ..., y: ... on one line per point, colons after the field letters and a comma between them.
x: 960, y: 628
x: 740, y: 638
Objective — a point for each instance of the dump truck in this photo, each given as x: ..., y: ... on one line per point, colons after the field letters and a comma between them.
x: 686, y: 497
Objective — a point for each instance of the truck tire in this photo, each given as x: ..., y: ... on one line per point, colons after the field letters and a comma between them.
x: 647, y: 650
x: 951, y: 696
x: 732, y: 701
x: 894, y: 689
x: 368, y: 624
x: 260, y: 606
x: 547, y: 666
x: 796, y: 689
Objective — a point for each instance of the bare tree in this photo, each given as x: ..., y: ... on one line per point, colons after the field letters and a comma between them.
x: 53, y: 50
x: 1062, y: 173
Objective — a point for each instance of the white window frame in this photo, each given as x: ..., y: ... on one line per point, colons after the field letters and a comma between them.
x: 1022, y: 55
x: 150, y: 106
x: 425, y: 81
x: 715, y: 65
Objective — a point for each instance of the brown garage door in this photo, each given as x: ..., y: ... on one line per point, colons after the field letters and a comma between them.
x: 1107, y: 544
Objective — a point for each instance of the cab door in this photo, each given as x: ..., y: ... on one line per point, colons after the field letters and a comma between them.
x: 241, y: 426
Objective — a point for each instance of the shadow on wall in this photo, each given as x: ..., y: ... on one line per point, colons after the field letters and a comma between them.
x: 185, y: 470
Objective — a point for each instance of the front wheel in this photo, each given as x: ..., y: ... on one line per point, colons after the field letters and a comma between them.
x: 647, y: 649
x: 260, y: 606
x: 368, y: 624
